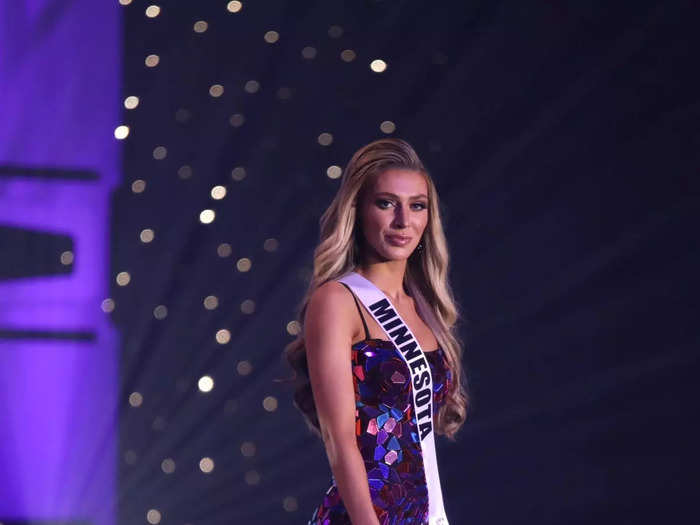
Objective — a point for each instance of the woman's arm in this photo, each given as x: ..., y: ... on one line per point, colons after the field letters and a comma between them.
x: 328, y: 334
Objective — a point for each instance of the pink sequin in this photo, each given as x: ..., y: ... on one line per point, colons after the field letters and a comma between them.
x: 397, y: 378
x: 372, y: 427
x: 390, y: 424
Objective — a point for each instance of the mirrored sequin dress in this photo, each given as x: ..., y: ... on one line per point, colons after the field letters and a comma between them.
x: 385, y: 427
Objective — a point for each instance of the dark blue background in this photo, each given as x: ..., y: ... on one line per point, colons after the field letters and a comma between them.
x: 563, y: 138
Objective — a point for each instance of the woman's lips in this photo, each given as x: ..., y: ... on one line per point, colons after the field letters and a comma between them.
x: 398, y: 240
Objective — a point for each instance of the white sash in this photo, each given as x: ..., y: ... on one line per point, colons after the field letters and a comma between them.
x: 422, y: 382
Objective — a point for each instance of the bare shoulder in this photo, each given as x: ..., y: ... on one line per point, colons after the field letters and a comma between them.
x: 333, y: 292
x: 329, y: 313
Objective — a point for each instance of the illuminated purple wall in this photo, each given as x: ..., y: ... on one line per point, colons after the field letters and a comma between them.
x: 60, y: 77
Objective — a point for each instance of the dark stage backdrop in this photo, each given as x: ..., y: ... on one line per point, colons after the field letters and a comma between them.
x: 563, y: 138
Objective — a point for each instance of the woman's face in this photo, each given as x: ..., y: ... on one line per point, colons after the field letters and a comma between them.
x: 394, y: 213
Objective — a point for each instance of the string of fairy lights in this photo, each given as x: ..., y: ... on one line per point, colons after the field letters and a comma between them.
x: 147, y: 234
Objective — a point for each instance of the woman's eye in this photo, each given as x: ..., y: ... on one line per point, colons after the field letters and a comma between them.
x: 381, y: 203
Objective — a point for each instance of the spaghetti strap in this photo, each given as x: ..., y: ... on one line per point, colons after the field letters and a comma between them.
x: 359, y: 310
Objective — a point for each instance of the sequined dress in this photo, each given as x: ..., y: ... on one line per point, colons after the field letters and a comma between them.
x: 385, y: 427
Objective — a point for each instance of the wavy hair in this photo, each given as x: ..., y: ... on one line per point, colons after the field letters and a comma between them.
x: 426, y: 278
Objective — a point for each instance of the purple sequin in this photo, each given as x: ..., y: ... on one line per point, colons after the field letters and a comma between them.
x: 387, y: 435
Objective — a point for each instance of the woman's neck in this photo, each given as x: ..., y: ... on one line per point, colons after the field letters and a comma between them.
x: 388, y: 277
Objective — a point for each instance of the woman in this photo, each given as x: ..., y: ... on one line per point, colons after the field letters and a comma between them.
x: 382, y: 245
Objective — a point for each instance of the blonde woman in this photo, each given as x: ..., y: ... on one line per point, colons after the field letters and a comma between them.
x: 379, y: 350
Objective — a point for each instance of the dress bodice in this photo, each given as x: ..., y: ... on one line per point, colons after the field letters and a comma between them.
x: 386, y: 432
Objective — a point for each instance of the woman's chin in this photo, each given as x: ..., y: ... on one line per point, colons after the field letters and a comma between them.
x: 396, y: 252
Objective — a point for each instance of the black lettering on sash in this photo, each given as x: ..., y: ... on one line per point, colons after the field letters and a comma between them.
x: 411, y: 351
x: 392, y: 324
x: 417, y: 364
x: 419, y: 381
x: 423, y: 397
x: 398, y: 331
x: 388, y: 318
x: 425, y: 429
x: 383, y: 310
x: 423, y: 413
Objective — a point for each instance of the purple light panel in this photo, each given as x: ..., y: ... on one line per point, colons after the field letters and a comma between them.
x: 60, y: 80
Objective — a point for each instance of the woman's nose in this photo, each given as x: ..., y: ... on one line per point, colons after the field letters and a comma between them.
x: 400, y: 217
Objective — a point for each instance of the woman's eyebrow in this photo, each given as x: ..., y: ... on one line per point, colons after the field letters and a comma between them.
x: 396, y: 196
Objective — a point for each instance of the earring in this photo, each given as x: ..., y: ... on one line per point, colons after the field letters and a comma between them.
x: 419, y: 248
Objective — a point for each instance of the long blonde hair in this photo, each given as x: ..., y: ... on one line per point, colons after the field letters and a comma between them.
x: 425, y: 279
